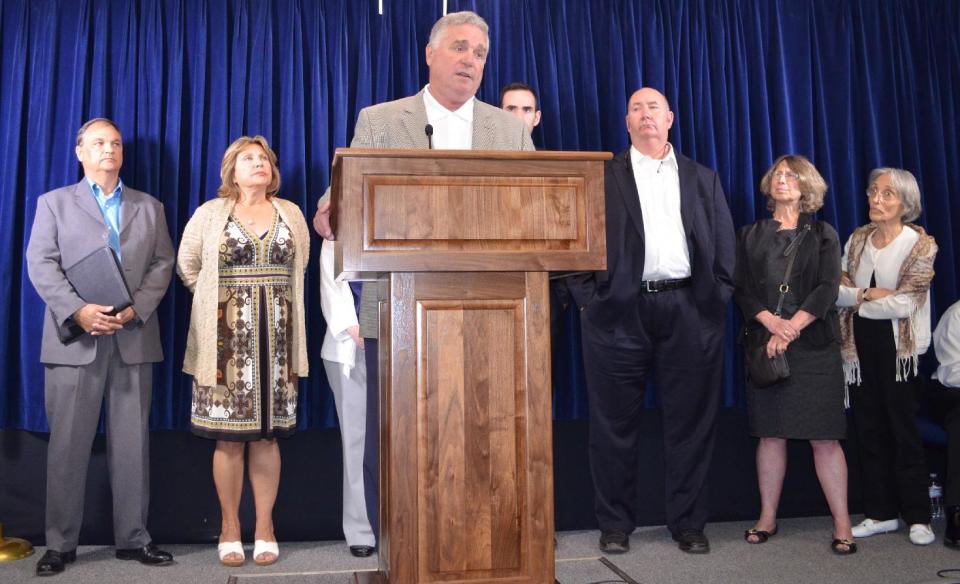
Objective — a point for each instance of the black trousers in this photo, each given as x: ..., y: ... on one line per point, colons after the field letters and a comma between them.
x: 892, y: 467
x: 946, y: 404
x: 666, y: 337
x: 371, y: 439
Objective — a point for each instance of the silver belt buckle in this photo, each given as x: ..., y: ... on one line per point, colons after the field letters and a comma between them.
x: 649, y: 289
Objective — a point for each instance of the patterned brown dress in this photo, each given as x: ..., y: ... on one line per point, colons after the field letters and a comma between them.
x: 256, y: 393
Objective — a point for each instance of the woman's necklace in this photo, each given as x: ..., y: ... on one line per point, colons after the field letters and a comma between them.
x: 248, y: 208
x: 786, y: 223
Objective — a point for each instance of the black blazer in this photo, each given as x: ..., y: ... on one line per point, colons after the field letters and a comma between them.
x: 814, y: 283
x: 608, y: 295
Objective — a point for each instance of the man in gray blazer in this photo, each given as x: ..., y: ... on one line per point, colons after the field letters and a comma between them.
x: 112, y: 362
x: 443, y: 115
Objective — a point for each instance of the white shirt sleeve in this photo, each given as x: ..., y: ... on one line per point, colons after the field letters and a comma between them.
x: 336, y: 299
x: 946, y: 345
x: 891, y: 307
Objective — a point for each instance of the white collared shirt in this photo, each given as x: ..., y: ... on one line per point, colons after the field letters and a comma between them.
x: 665, y: 243
x: 451, y: 130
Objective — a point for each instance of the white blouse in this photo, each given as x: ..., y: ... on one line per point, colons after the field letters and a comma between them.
x: 885, y: 264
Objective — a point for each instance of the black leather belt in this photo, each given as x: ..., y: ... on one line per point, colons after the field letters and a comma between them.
x: 651, y: 286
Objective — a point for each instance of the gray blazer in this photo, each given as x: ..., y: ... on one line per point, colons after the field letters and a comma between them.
x: 68, y: 226
x: 400, y: 124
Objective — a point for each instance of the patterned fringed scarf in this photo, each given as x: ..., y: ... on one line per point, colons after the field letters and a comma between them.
x: 914, y: 279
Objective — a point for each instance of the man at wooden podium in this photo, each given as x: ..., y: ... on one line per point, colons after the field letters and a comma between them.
x: 659, y: 308
x: 444, y: 115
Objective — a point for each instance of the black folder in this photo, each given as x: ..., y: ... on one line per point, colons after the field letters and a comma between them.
x: 97, y: 279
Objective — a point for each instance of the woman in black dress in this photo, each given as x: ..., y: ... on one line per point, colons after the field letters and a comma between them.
x: 809, y: 404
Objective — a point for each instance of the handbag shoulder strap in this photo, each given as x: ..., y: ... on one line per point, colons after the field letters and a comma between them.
x: 791, y: 253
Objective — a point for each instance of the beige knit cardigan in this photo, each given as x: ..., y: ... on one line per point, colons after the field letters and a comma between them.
x: 198, y: 266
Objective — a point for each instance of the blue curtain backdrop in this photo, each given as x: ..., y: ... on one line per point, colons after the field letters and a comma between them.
x: 851, y: 84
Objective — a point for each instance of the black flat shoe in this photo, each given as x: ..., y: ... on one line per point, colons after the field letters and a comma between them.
x: 692, y: 541
x: 54, y: 562
x: 614, y: 542
x: 761, y: 535
x: 361, y: 551
x: 149, y: 555
x: 851, y: 547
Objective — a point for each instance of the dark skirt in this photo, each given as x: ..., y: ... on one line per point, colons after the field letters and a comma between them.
x: 809, y: 404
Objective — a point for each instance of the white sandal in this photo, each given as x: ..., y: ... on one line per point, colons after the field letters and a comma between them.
x: 265, y: 547
x: 225, y: 548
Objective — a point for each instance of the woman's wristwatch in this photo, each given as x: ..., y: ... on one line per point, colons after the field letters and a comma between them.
x: 866, y: 296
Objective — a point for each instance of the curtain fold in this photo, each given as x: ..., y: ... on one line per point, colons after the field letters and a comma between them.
x: 852, y: 85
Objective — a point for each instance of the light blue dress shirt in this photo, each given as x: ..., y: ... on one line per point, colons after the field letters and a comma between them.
x: 110, y: 208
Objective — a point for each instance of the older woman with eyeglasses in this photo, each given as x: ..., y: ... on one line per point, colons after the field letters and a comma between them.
x: 884, y: 305
x: 800, y: 325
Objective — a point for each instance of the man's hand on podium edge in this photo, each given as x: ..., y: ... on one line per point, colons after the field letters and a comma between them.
x: 321, y: 221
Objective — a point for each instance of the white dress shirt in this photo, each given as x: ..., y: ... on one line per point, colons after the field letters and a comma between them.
x: 884, y: 264
x: 946, y: 345
x: 451, y: 130
x: 666, y: 256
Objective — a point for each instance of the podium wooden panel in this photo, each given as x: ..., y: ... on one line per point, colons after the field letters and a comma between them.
x: 466, y: 239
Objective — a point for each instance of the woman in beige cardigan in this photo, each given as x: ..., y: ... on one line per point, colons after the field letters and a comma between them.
x: 243, y: 256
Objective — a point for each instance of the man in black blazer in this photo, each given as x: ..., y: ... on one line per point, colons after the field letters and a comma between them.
x: 659, y: 307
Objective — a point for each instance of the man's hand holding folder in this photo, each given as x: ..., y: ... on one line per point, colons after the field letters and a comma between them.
x: 99, y: 320
x: 98, y: 280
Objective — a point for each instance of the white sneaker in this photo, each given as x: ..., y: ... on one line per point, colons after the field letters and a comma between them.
x: 869, y: 527
x: 921, y: 534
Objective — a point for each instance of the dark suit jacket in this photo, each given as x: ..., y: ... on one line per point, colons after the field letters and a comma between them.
x: 814, y: 283
x: 609, y: 295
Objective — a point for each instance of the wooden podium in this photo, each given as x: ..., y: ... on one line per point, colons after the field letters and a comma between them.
x: 459, y: 244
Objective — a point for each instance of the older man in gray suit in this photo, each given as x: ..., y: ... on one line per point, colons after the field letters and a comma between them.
x: 443, y: 115
x: 113, y: 361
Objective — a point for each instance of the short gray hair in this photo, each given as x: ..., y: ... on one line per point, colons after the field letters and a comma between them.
x: 458, y: 19
x: 906, y: 186
x: 86, y: 126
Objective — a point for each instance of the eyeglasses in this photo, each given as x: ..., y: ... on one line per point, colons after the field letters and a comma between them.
x: 786, y: 175
x: 886, y: 195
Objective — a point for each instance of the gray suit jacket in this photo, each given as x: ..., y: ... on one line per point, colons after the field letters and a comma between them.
x: 68, y: 226
x: 400, y: 124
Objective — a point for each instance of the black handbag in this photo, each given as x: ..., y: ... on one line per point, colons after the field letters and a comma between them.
x: 762, y: 370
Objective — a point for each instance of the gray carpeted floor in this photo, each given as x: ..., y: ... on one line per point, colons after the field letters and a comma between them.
x: 799, y: 554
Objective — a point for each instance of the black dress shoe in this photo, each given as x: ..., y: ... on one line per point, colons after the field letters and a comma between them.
x: 614, y: 542
x: 692, y: 541
x: 951, y: 535
x: 149, y: 555
x: 362, y: 551
x: 53, y: 562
